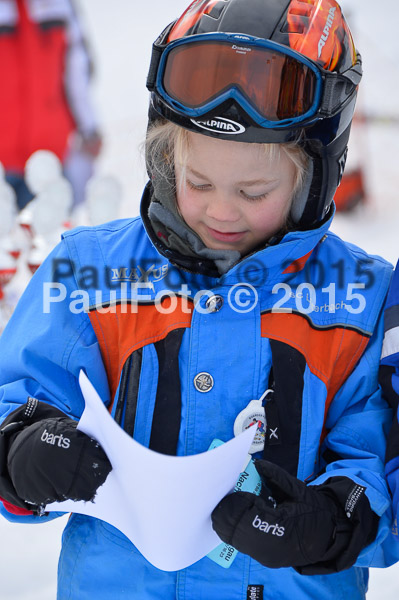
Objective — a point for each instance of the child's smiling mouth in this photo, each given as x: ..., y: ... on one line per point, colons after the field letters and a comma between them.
x: 226, y: 236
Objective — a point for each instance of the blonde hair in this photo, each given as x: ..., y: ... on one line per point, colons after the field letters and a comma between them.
x: 167, y: 144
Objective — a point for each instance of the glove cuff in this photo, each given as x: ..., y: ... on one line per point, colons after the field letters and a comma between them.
x: 357, y: 526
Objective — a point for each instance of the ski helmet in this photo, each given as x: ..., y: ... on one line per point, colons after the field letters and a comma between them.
x: 264, y: 71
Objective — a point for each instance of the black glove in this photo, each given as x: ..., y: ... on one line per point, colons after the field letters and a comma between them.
x: 315, y: 529
x: 44, y: 458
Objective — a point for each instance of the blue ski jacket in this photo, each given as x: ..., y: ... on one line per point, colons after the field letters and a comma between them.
x: 176, y: 352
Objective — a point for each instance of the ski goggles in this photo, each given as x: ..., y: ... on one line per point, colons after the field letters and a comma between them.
x: 275, y: 85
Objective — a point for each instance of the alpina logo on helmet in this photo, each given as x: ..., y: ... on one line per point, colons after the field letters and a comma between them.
x: 326, y: 31
x: 220, y: 125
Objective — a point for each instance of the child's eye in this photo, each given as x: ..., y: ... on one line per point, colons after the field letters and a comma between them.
x: 198, y: 186
x: 254, y: 198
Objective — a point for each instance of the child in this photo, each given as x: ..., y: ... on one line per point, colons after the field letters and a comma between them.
x: 230, y: 284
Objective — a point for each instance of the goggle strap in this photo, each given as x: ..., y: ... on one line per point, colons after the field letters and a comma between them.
x: 153, y: 70
x: 332, y: 94
x: 157, y: 49
x: 337, y: 89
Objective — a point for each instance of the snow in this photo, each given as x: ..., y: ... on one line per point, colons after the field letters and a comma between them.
x: 121, y: 34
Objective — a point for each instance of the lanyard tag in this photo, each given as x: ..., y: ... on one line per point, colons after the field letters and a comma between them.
x: 252, y: 414
x: 248, y: 481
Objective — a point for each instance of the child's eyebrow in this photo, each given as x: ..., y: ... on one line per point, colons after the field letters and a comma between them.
x: 250, y: 182
x: 196, y: 173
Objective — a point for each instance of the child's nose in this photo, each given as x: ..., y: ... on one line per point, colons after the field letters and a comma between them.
x: 221, y: 207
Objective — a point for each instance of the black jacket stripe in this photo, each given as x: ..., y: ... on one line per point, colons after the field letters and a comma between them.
x: 167, y: 411
x: 284, y: 411
x: 125, y: 412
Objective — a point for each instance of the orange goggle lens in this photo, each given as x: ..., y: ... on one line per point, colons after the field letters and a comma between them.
x: 277, y: 85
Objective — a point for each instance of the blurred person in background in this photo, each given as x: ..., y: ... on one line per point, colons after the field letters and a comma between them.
x: 45, y: 103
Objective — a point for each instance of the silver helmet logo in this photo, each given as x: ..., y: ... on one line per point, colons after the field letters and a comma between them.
x: 219, y: 125
x: 326, y: 32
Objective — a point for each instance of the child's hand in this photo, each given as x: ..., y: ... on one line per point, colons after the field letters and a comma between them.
x: 52, y: 461
x: 309, y: 525
x: 44, y: 458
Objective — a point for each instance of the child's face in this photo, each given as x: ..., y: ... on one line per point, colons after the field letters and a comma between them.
x: 235, y: 196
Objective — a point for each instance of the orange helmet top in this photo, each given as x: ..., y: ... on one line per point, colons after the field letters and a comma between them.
x: 316, y: 28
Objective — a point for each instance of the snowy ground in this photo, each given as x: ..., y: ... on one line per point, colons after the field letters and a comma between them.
x: 121, y: 34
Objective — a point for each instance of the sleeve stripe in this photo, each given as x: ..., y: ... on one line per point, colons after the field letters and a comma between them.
x: 391, y: 342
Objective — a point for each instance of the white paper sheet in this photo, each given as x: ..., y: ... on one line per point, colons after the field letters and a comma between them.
x: 163, y: 504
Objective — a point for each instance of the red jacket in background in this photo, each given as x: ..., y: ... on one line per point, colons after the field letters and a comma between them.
x: 36, y: 105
